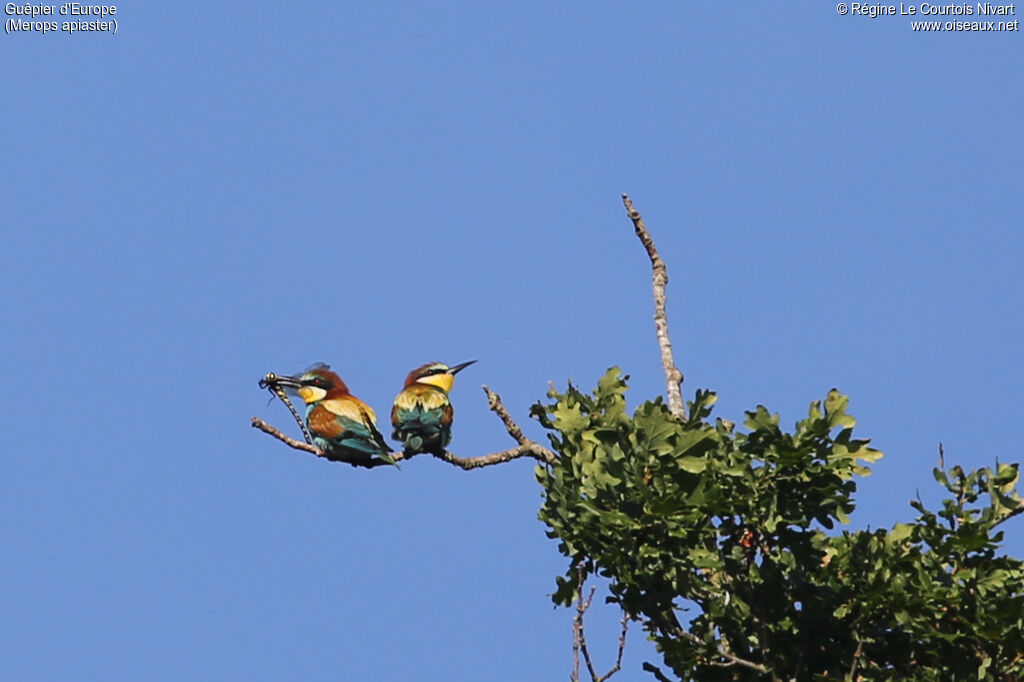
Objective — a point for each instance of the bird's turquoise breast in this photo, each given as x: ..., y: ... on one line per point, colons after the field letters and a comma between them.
x: 420, y: 417
x: 421, y: 429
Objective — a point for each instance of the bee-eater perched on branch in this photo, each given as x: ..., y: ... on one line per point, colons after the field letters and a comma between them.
x: 422, y: 414
x: 340, y: 423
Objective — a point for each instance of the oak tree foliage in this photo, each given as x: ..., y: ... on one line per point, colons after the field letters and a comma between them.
x: 725, y: 543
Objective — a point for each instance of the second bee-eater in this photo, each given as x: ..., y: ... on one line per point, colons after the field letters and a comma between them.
x: 340, y: 423
x: 422, y: 414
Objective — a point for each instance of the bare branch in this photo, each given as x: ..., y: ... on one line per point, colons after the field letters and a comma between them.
x: 579, y: 639
x: 497, y: 407
x: 290, y: 442
x: 526, y: 447
x: 367, y: 463
x: 622, y: 647
x: 583, y: 642
x: 673, y: 377
x: 576, y: 630
x: 533, y: 451
x: 577, y: 621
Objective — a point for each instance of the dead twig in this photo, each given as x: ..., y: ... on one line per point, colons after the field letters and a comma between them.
x: 673, y: 377
x: 622, y: 647
x: 579, y: 638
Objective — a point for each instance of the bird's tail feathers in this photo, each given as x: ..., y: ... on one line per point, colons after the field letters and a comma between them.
x: 378, y: 438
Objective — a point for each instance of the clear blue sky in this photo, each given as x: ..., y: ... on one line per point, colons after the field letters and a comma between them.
x: 223, y: 189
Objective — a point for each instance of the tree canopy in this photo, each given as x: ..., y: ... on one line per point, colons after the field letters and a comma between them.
x: 717, y: 540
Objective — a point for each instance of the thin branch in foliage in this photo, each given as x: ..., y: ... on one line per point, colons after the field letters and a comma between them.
x: 526, y: 447
x: 731, y: 659
x: 1017, y: 511
x: 673, y: 376
x: 856, y: 658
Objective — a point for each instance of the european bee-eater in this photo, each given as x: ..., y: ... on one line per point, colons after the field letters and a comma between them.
x: 340, y: 423
x: 422, y: 413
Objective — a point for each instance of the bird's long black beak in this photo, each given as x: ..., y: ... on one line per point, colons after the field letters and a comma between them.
x: 455, y: 369
x: 272, y: 380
